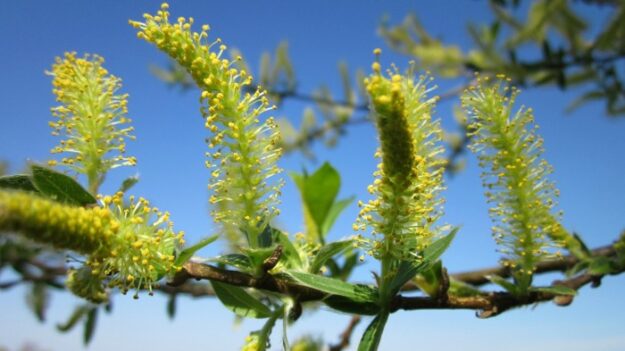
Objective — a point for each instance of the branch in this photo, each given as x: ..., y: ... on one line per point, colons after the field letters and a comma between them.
x: 188, y: 288
x: 346, y: 335
x: 489, y: 304
x: 275, y: 283
x: 494, y: 303
x: 477, y: 278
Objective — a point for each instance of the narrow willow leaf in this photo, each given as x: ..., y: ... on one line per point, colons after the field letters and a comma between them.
x: 358, y: 293
x: 38, y: 300
x: 290, y: 255
x: 240, y: 302
x: 373, y: 334
x: 128, y: 183
x: 171, y: 306
x: 430, y: 279
x: 60, y: 187
x: 346, y: 305
x: 74, y: 318
x: 257, y: 257
x: 407, y: 270
x: 327, y: 252
x: 461, y: 289
x: 239, y: 261
x: 187, y: 253
x: 17, y: 182
x: 90, y: 323
x: 265, y: 239
x: 600, y: 266
x: 510, y: 287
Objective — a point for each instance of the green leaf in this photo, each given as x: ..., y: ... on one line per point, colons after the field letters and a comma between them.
x: 76, y: 316
x: 373, y: 334
x: 60, y: 187
x: 600, y: 266
x: 128, y: 183
x: 37, y: 300
x: 346, y: 305
x: 17, y: 182
x: 239, y: 301
x: 355, y: 292
x: 92, y: 318
x: 187, y: 253
x: 171, y: 306
x: 327, y: 252
x: 235, y: 260
x: 437, y: 248
x: 290, y: 255
x: 462, y: 289
x: 334, y: 213
x: 407, y: 270
x: 556, y: 290
x: 508, y: 286
x: 257, y: 257
x: 429, y: 280
x: 265, y: 239
x: 318, y: 192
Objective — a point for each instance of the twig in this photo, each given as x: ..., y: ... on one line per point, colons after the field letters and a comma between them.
x: 494, y: 303
x: 275, y: 283
x: 346, y: 335
x: 188, y: 288
x: 477, y: 278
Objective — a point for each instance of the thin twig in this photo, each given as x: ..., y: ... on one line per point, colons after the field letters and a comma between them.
x: 346, y: 335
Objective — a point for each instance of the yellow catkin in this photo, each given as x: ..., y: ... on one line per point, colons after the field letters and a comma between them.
x: 126, y: 247
x: 48, y: 222
x: 409, y: 176
x: 244, y: 148
x: 516, y: 177
x: 92, y: 116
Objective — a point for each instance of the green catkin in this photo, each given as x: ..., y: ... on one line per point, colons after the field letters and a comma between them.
x: 243, y: 149
x: 129, y: 247
x: 92, y: 115
x: 48, y: 222
x: 409, y: 177
x: 84, y: 283
x: 516, y: 178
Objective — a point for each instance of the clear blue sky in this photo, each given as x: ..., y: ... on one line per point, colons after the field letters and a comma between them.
x: 586, y: 149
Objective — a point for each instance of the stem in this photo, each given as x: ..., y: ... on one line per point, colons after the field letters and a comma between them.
x: 373, y: 334
x: 266, y: 331
x: 94, y: 183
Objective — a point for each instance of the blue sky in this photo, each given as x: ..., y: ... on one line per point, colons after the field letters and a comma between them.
x: 585, y: 148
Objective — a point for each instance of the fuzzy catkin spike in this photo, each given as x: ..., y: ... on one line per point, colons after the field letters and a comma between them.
x: 243, y: 150
x: 83, y: 283
x: 515, y: 177
x: 409, y: 177
x: 48, y: 222
x: 92, y: 115
x: 143, y: 247
x: 129, y: 247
